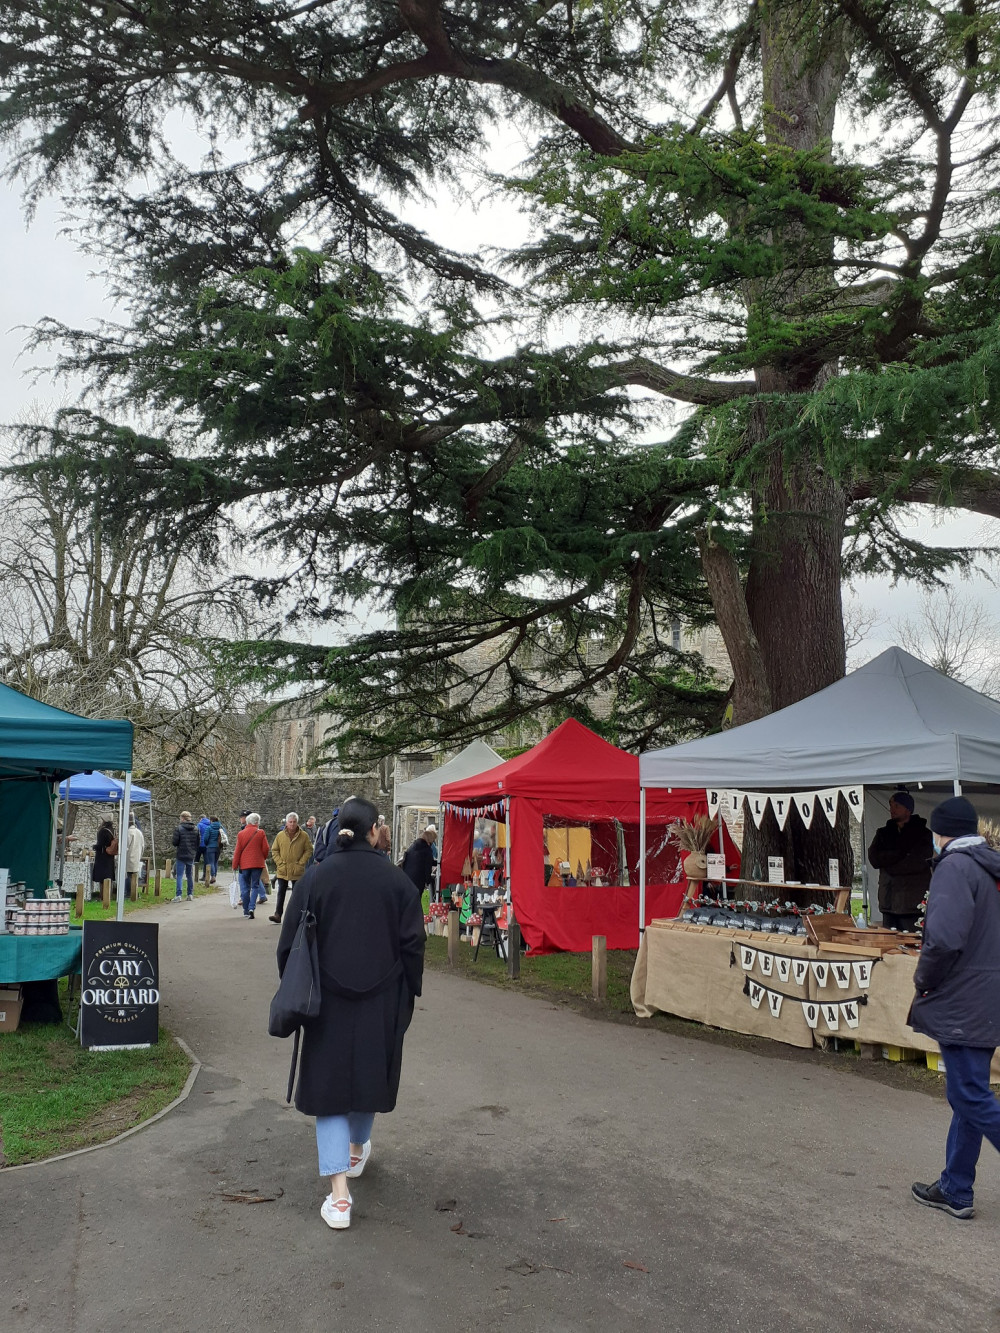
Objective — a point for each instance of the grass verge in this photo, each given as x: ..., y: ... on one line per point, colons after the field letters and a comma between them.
x: 565, y: 978
x: 94, y: 910
x: 55, y: 1096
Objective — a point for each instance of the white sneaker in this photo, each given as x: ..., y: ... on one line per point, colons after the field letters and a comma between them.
x: 338, y: 1218
x: 356, y: 1170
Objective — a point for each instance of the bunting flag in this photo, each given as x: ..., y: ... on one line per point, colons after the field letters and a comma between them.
x: 780, y: 806
x: 820, y: 971
x: 841, y: 974
x: 855, y: 798
x: 784, y: 966
x: 747, y: 956
x: 828, y: 801
x: 765, y: 961
x: 831, y: 1011
x: 729, y: 802
x: 863, y: 972
x: 805, y: 803
x: 800, y: 970
x: 758, y: 803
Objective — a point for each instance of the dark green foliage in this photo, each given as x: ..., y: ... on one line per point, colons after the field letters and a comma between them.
x: 396, y: 426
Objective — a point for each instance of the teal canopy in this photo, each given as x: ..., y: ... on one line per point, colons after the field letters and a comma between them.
x: 41, y: 745
x: 39, y: 741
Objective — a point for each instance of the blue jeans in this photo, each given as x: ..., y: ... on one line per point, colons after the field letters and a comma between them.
x: 184, y: 868
x: 975, y: 1116
x: 334, y: 1136
x: 212, y: 862
x: 249, y: 888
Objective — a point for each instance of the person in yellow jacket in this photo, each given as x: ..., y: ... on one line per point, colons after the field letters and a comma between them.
x: 292, y: 850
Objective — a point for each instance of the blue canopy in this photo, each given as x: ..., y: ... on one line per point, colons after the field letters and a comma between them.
x: 99, y: 787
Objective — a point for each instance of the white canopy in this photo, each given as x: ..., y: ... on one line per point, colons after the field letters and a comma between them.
x: 895, y: 719
x: 425, y: 791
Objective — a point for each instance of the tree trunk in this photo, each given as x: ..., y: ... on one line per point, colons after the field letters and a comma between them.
x: 807, y: 851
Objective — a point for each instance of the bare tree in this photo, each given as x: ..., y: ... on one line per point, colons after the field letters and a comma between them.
x: 102, y: 616
x: 956, y: 635
x: 859, y: 621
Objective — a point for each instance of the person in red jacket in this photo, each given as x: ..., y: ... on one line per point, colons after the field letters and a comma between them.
x: 249, y: 857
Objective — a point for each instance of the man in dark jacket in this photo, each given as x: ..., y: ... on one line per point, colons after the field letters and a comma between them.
x: 185, y: 839
x: 958, y: 995
x: 901, y: 852
x: 418, y: 859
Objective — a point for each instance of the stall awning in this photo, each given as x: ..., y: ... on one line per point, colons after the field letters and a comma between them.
x: 893, y: 719
x: 101, y: 788
x: 425, y: 791
x: 37, y: 740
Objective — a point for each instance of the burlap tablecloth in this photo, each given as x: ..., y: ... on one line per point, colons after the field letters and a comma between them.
x: 689, y: 974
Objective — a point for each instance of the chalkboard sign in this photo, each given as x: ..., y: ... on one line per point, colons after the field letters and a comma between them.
x: 120, y: 993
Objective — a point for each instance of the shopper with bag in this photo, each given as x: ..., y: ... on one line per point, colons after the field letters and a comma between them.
x: 105, y: 851
x: 370, y: 947
x: 249, y: 858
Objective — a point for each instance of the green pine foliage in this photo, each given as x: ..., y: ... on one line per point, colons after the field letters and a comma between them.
x: 778, y: 217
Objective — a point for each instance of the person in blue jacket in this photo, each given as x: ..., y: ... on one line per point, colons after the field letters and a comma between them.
x: 958, y: 995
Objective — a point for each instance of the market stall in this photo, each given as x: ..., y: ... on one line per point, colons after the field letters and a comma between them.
x: 40, y: 746
x: 893, y: 721
x: 423, y: 794
x: 96, y: 788
x: 573, y: 780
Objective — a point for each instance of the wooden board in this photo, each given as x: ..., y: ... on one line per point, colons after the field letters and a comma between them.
x: 855, y: 950
x: 820, y: 928
x: 874, y: 939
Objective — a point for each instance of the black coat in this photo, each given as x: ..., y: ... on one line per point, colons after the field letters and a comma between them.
x: 958, y: 975
x: 902, y: 855
x: 104, y: 863
x: 187, y: 840
x: 370, y: 941
x: 418, y: 863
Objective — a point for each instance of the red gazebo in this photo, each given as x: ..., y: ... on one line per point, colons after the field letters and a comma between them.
x: 573, y: 777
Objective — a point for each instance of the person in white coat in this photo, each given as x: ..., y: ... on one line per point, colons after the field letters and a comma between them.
x: 134, y: 848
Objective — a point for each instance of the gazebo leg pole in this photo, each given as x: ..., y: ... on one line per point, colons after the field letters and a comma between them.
x: 123, y: 843
x: 62, y: 840
x: 151, y: 861
x: 642, y: 862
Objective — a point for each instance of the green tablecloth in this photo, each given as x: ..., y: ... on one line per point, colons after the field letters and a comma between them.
x: 39, y: 957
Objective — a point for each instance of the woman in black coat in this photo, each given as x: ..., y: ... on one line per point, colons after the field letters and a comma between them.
x: 370, y: 941
x: 104, y: 861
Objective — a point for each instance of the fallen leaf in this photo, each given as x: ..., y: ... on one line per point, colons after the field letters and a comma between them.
x: 446, y: 1205
x: 458, y: 1228
x: 639, y: 1268
x: 337, y: 1286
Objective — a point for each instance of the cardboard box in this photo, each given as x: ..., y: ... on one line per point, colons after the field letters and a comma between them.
x: 10, y: 1008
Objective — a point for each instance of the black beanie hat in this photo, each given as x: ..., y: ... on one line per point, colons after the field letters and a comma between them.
x: 955, y: 818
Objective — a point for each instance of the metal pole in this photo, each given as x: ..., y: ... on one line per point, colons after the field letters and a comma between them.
x: 53, y: 840
x: 642, y: 862
x: 151, y: 862
x: 722, y: 849
x: 62, y: 840
x: 123, y: 843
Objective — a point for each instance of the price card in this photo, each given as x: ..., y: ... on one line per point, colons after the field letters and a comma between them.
x: 775, y: 870
x: 834, y: 873
x: 716, y: 866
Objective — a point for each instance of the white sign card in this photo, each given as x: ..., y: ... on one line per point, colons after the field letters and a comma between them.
x: 716, y: 866
x: 834, y: 873
x: 775, y: 870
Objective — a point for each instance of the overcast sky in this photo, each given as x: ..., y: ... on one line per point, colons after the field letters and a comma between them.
x: 44, y: 275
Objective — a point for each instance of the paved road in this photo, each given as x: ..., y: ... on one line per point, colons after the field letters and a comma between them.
x: 750, y: 1193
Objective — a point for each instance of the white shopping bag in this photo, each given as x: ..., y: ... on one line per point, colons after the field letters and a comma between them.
x: 235, y: 900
